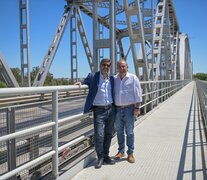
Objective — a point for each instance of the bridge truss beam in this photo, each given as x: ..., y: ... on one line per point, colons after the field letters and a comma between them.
x: 6, y: 73
x: 152, y: 33
x: 150, y: 26
x: 24, y: 42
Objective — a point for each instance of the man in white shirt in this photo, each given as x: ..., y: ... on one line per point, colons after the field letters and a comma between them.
x: 128, y: 98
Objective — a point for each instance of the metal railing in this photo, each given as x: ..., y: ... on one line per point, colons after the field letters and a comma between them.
x: 52, y: 141
x: 202, y: 95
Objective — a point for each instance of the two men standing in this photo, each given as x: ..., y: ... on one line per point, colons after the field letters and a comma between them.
x: 123, y: 91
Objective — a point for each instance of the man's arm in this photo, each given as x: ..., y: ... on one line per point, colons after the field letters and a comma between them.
x: 137, y: 90
x: 137, y: 109
x: 137, y: 105
x: 138, y: 96
x: 86, y: 81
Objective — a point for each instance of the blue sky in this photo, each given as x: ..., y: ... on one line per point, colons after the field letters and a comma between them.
x: 44, y: 19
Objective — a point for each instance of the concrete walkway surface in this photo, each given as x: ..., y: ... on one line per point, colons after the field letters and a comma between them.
x: 169, y: 145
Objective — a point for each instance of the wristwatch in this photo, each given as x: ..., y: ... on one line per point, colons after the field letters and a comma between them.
x: 136, y: 107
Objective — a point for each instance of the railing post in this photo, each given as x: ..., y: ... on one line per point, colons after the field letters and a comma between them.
x: 169, y: 83
x: 164, y: 91
x: 145, y: 99
x: 167, y: 89
x: 11, y: 144
x: 55, y: 133
x: 161, y: 92
x: 157, y: 92
x: 152, y: 96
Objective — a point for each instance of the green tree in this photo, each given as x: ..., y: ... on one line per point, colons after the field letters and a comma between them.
x: 48, y: 80
x: 34, y: 73
x: 201, y: 76
x: 17, y: 74
x: 60, y: 81
x: 2, y: 85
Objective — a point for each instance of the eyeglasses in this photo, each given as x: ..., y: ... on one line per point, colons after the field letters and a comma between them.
x: 108, y: 65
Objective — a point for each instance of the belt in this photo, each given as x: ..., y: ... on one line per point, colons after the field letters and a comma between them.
x: 104, y: 106
x: 124, y: 106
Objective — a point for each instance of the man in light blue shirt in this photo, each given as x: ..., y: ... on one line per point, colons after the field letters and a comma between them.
x: 100, y: 100
x: 104, y: 95
x: 128, y: 98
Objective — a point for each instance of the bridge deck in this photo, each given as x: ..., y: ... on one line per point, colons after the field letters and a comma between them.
x: 169, y: 144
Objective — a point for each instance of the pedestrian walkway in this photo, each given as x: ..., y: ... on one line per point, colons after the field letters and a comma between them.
x: 169, y: 144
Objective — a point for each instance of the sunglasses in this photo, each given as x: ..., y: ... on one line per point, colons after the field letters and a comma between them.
x: 108, y: 65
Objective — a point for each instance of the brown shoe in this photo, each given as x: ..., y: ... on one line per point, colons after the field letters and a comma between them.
x: 131, y: 158
x: 119, y: 155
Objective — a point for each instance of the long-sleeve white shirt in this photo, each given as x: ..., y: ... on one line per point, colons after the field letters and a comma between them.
x: 128, y: 90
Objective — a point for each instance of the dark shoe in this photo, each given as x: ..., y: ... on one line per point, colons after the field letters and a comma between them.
x: 109, y: 161
x: 99, y: 163
x: 119, y: 155
x: 131, y: 158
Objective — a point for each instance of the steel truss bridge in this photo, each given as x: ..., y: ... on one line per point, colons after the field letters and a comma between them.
x: 42, y: 132
x: 159, y: 50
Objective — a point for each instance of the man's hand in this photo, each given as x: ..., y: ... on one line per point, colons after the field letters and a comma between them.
x: 78, y: 83
x: 136, y: 112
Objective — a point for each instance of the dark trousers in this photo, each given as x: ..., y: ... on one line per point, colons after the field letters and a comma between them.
x: 104, y: 119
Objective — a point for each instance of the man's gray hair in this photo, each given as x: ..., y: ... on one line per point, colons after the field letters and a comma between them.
x: 122, y: 60
x: 105, y: 60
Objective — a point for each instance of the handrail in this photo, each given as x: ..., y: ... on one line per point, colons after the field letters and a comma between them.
x: 202, y: 95
x: 6, y: 92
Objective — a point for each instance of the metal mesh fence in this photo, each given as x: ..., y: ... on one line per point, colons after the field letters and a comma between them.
x: 19, y: 117
x: 3, y: 121
x: 32, y: 115
x: 3, y: 158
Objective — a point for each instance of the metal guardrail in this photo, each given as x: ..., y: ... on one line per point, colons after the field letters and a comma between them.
x: 202, y: 95
x: 8, y: 101
x: 154, y: 92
